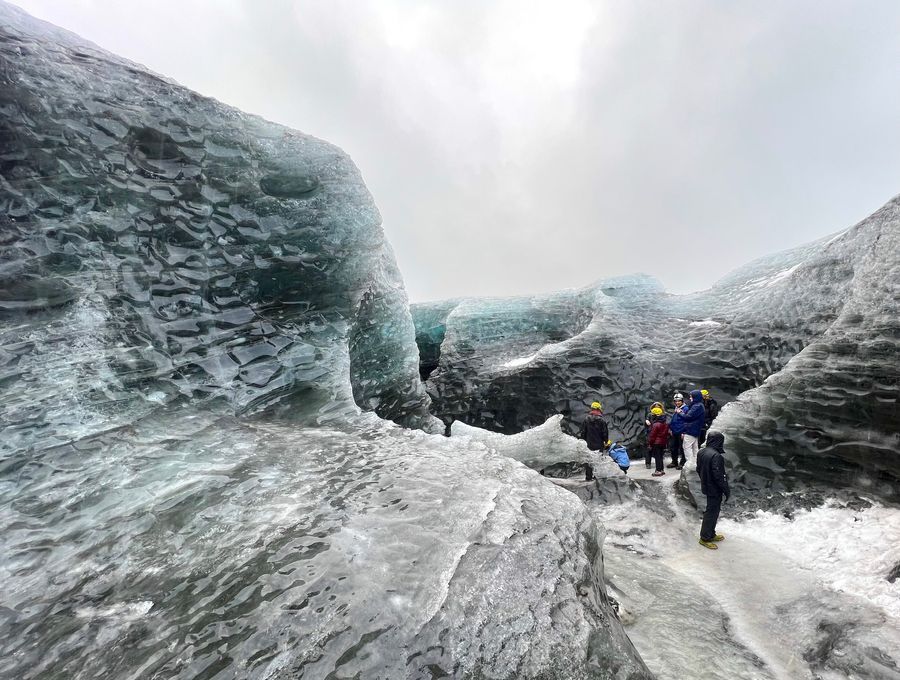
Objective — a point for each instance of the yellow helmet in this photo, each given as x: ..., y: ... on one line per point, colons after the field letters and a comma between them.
x: 705, y: 393
x: 596, y: 406
x: 656, y: 411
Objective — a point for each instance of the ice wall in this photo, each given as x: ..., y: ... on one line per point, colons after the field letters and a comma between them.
x: 183, y: 249
x: 815, y: 326
x: 193, y: 302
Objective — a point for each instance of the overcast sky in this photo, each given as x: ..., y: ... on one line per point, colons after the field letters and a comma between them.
x: 521, y: 147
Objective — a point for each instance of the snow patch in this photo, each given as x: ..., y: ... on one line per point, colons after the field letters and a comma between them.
x: 521, y: 361
x: 705, y: 322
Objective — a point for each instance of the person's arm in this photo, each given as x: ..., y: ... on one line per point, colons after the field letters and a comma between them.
x: 719, y: 476
x: 694, y: 413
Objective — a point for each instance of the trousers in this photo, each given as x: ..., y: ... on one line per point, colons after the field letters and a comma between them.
x: 676, y: 447
x: 658, y: 451
x: 710, y: 517
x: 691, y: 447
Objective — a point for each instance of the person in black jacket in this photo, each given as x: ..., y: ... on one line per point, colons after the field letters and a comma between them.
x: 714, y: 485
x: 711, y: 407
x: 595, y: 432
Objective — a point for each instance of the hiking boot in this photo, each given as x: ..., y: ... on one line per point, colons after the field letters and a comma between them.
x: 648, y: 466
x: 671, y: 465
x: 709, y: 544
x: 718, y: 537
x: 678, y: 467
x: 658, y: 473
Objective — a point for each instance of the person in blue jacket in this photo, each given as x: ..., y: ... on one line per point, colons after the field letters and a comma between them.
x: 676, y: 430
x: 620, y: 455
x: 694, y: 421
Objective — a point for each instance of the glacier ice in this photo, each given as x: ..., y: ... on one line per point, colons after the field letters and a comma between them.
x: 199, y: 545
x: 199, y: 320
x: 807, y: 338
x: 209, y: 253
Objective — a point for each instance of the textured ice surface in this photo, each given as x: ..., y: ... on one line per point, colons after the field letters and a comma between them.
x: 197, y: 545
x: 540, y: 446
x: 173, y: 247
x: 193, y: 305
x: 794, y: 598
x: 815, y: 329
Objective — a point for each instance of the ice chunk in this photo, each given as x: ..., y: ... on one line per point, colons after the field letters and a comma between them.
x: 187, y: 227
x: 370, y: 551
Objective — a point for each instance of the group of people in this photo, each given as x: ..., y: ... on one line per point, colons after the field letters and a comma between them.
x: 682, y: 432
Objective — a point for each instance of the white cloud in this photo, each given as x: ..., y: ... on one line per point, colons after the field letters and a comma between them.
x: 518, y: 147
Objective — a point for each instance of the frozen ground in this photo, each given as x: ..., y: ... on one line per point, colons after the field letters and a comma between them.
x: 784, y: 598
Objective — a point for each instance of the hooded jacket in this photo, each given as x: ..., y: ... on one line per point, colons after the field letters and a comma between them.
x: 659, y: 432
x: 695, y: 418
x: 595, y: 431
x: 620, y: 454
x: 677, y: 423
x: 711, y: 466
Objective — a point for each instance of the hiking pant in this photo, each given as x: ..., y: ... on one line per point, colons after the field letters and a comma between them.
x: 676, y: 448
x: 659, y: 452
x: 702, y: 437
x: 691, y: 447
x: 710, y: 517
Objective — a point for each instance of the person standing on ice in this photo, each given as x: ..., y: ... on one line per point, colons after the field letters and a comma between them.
x: 711, y: 407
x: 714, y: 485
x: 658, y: 437
x: 694, y: 420
x: 595, y: 432
x: 676, y: 430
x: 648, y: 422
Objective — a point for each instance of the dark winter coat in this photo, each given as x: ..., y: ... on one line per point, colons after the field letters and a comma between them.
x: 711, y: 466
x: 712, y: 410
x: 595, y: 431
x: 677, y: 424
x: 659, y: 432
x: 695, y: 418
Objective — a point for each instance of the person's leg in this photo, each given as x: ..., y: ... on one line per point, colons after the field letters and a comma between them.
x: 588, y: 472
x: 658, y: 453
x: 648, y: 457
x: 710, y: 517
x: 701, y: 439
x: 690, y: 447
x: 677, y: 451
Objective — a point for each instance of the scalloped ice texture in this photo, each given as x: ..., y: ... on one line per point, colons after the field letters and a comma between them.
x: 170, y: 247
x: 168, y: 264
x: 819, y: 324
x: 205, y: 546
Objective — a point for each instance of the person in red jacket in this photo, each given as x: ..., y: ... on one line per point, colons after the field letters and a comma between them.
x: 658, y: 438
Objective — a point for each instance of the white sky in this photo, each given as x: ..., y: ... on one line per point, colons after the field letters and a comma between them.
x: 521, y: 147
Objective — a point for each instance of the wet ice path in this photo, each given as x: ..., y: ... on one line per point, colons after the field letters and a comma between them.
x: 779, y: 599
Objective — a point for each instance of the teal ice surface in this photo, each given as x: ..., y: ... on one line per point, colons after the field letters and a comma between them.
x: 181, y: 248
x: 196, y: 305
x: 198, y: 545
